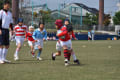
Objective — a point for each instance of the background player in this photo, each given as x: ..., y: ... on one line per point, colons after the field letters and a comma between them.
x: 30, y: 39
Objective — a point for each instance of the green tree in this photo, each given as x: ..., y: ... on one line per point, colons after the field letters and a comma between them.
x: 35, y: 14
x: 46, y: 15
x: 1, y: 4
x: 116, y: 18
x: 91, y: 19
x: 107, y: 18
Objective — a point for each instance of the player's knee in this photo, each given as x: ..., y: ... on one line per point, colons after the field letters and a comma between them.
x: 31, y: 47
x: 19, y: 46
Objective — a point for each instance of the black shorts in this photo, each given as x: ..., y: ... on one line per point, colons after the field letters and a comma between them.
x: 4, y: 37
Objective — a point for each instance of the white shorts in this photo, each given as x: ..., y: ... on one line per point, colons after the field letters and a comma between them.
x: 19, y: 40
x: 66, y: 43
x: 30, y: 43
x: 58, y: 46
x: 39, y: 43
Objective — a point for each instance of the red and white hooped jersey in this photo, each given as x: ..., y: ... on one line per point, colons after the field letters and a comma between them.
x: 29, y: 36
x: 20, y: 30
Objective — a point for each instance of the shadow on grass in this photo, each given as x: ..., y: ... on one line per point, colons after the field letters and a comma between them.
x: 14, y: 63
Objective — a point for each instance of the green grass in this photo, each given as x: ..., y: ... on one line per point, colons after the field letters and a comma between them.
x: 98, y: 62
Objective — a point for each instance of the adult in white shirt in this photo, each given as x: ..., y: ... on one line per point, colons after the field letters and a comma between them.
x: 5, y: 24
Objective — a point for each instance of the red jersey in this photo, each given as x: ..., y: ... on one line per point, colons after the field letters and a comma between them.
x: 65, y: 34
x: 29, y: 36
x: 20, y: 30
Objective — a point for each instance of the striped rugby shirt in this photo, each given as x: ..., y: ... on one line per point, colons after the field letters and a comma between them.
x: 20, y: 30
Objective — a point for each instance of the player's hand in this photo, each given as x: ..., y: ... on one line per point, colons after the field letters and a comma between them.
x: 44, y: 39
x: 75, y: 39
x: 0, y: 32
x: 35, y: 41
x: 12, y: 32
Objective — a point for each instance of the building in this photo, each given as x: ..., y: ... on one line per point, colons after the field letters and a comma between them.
x: 36, y: 8
x: 74, y: 11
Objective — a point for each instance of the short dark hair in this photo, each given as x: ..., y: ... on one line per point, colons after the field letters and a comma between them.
x: 69, y: 28
x: 41, y: 23
x: 6, y: 2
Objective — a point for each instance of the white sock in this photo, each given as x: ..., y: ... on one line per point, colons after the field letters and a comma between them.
x: 4, y: 53
x: 1, y: 52
x: 54, y: 54
x: 74, y: 56
x: 16, y: 53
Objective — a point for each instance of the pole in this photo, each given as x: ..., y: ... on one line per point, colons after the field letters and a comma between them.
x: 81, y: 17
x: 46, y: 5
x: 59, y: 11
x: 32, y: 12
x: 101, y: 14
x: 15, y: 10
x: 70, y: 13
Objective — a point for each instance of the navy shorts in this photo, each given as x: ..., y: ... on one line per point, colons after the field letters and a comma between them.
x: 4, y: 37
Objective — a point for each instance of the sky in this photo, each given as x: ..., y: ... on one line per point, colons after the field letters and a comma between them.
x: 110, y: 5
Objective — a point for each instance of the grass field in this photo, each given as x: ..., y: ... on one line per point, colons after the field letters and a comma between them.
x: 100, y: 60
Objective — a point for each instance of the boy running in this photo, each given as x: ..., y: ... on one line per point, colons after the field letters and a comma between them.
x: 20, y: 30
x: 39, y: 35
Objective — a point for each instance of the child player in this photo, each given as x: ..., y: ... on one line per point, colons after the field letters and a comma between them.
x: 39, y: 35
x: 20, y: 30
x: 30, y: 39
x: 58, y: 45
x: 65, y: 41
x: 59, y: 23
x: 89, y: 35
x: 72, y: 35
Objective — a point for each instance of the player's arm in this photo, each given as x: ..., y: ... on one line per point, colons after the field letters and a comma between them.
x: 11, y: 23
x: 0, y: 22
x: 45, y: 36
x: 73, y: 35
x: 14, y: 30
x: 26, y: 36
x: 34, y: 36
x: 63, y: 33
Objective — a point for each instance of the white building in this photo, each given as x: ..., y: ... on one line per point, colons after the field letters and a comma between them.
x: 76, y: 10
x: 36, y: 8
